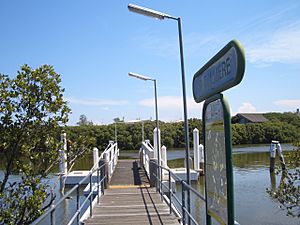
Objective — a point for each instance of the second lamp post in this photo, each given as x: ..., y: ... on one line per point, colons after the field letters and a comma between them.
x: 141, y: 77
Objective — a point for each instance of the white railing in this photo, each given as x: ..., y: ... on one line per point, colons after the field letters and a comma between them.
x: 146, y: 153
x: 94, y: 192
x: 111, y: 155
x: 102, y: 174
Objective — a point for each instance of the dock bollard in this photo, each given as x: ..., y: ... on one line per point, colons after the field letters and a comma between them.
x: 164, y: 159
x: 95, y: 156
x: 201, y: 156
x: 196, y: 149
x: 275, y: 146
x: 272, y: 155
x: 63, y: 166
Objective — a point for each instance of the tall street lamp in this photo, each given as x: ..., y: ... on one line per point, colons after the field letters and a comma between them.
x: 116, y: 129
x: 141, y: 77
x: 159, y: 15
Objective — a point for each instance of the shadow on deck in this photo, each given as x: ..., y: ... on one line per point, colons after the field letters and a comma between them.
x: 128, y: 172
x: 130, y: 200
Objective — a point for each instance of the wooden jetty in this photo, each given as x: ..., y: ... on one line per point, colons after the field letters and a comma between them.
x: 130, y: 200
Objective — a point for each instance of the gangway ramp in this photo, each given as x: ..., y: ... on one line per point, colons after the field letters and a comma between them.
x: 130, y: 200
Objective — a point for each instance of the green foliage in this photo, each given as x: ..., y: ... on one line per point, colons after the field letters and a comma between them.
x: 129, y: 136
x: 287, y: 117
x: 83, y: 121
x: 118, y: 120
x: 282, y: 127
x: 264, y: 133
x: 288, y: 192
x: 32, y: 111
x: 77, y: 147
x: 23, y: 201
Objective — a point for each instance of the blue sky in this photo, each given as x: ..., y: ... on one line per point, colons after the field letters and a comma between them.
x: 94, y: 44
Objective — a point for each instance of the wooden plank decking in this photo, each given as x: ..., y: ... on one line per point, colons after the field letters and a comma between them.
x: 130, y: 200
x: 128, y: 173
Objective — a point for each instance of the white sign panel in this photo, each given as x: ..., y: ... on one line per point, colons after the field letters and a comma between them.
x: 216, y: 177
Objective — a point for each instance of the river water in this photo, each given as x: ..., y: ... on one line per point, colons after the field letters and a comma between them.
x: 253, y: 205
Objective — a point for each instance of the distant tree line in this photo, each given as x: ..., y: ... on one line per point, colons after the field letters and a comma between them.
x: 129, y: 135
x: 284, y: 127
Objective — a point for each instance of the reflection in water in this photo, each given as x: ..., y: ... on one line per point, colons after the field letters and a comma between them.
x: 274, y: 186
x: 253, y: 205
x: 286, y: 192
x: 251, y: 161
x: 273, y: 181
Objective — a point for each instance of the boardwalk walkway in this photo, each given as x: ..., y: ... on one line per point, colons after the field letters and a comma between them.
x: 130, y: 200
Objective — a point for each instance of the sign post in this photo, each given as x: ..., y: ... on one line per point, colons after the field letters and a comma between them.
x: 223, y: 71
x: 218, y: 161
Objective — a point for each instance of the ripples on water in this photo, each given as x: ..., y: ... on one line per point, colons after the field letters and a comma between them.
x: 253, y: 206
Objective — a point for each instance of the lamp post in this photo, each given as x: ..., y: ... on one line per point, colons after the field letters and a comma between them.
x: 141, y: 77
x: 116, y: 128
x: 159, y: 15
x: 116, y: 134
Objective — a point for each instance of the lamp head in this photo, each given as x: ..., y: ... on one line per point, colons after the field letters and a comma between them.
x: 138, y: 76
x: 148, y: 12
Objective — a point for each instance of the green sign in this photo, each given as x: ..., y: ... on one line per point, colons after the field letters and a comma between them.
x: 223, y: 71
x: 218, y: 162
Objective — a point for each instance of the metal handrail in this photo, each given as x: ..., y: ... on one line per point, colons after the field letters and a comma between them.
x: 100, y: 183
x: 52, y: 209
x: 107, y: 149
x: 184, y: 187
x: 193, y: 190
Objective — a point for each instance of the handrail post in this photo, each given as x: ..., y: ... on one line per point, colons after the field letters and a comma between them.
x: 170, y: 192
x: 98, y: 185
x: 160, y: 182
x: 105, y: 169
x: 102, y: 174
x: 91, y: 196
x: 183, y: 203
x: 52, y: 208
x: 78, y: 203
x: 52, y: 214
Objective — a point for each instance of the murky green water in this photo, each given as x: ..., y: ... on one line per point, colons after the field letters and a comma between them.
x: 253, y: 205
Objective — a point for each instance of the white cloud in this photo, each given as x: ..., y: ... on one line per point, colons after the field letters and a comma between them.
x: 170, y: 102
x: 246, y: 107
x: 281, y: 46
x: 288, y: 103
x: 171, y: 107
x: 96, y: 102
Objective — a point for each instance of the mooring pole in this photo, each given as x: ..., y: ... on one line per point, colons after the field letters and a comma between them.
x: 272, y: 155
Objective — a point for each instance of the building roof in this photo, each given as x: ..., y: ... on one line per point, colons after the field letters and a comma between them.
x: 253, y: 117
